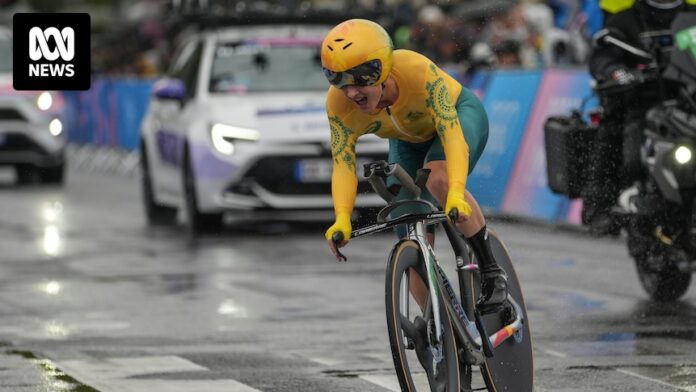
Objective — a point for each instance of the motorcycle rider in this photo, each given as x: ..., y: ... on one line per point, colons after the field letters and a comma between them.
x: 614, y: 161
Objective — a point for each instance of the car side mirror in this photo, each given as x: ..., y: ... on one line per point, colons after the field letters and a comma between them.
x: 173, y: 89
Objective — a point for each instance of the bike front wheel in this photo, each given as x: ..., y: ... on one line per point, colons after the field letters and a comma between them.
x: 421, y: 362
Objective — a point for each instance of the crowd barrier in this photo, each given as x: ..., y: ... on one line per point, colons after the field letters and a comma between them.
x: 510, y: 177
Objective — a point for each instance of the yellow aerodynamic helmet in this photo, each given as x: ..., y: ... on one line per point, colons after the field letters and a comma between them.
x: 357, y: 52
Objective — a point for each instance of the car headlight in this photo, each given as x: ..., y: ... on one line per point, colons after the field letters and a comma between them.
x: 55, y: 127
x: 683, y: 155
x: 44, y: 101
x: 224, y: 135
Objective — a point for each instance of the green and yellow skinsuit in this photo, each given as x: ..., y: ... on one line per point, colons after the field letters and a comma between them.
x: 433, y: 118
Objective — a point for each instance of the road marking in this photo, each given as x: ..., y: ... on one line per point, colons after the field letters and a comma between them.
x: 381, y: 356
x: 354, y: 359
x: 554, y: 353
x: 325, y: 361
x: 114, y: 375
x: 120, y: 368
x: 656, y: 381
x: 390, y: 382
x: 172, y: 386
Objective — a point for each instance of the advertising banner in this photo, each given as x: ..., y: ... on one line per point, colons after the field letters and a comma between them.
x: 478, y: 83
x: 527, y: 193
x: 508, y: 101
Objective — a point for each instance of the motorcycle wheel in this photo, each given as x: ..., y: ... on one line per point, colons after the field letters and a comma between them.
x: 664, y: 283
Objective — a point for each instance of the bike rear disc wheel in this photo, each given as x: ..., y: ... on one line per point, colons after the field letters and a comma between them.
x: 512, y: 366
x: 406, y: 331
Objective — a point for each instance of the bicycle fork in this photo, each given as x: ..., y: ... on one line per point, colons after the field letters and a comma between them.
x: 417, y: 233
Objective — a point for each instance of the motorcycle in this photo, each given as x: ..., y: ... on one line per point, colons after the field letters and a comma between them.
x: 657, y: 209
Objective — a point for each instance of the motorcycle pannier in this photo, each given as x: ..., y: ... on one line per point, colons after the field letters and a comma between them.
x: 568, y: 141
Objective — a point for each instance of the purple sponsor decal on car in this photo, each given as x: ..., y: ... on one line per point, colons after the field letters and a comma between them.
x: 168, y: 147
x: 207, y: 165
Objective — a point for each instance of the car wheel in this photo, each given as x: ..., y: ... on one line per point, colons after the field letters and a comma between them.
x: 52, y: 175
x: 26, y: 174
x: 197, y: 222
x: 156, y: 214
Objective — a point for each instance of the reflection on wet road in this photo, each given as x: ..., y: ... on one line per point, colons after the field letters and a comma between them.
x: 91, y: 299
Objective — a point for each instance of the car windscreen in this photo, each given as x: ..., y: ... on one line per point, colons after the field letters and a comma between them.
x: 269, y: 66
x: 5, y: 55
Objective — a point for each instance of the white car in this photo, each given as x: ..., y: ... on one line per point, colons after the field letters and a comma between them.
x: 31, y: 130
x: 238, y: 128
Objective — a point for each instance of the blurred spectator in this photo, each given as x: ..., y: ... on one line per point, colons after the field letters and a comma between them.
x: 511, y: 39
x: 425, y: 31
x: 526, y: 35
x: 563, y: 11
x: 594, y: 16
x: 559, y: 46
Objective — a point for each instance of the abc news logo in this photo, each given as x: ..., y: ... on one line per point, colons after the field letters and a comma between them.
x: 39, y: 49
x: 51, y: 51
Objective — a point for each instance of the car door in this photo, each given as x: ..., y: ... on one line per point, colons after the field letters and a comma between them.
x: 171, y: 119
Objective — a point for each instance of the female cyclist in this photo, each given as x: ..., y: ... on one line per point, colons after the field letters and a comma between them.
x: 430, y: 120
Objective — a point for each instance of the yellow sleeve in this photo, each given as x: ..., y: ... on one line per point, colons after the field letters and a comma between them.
x: 344, y: 181
x: 446, y: 121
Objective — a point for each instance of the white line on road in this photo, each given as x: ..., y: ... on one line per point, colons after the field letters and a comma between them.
x: 113, y: 375
x: 389, y: 382
x: 326, y: 361
x: 173, y: 386
x: 554, y: 353
x: 120, y: 368
x: 646, y: 378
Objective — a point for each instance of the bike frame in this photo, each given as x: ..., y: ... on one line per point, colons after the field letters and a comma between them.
x: 467, y: 331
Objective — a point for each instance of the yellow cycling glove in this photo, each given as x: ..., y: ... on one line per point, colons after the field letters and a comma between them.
x: 342, y: 225
x: 456, y: 200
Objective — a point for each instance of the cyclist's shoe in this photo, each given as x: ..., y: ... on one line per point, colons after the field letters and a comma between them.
x: 509, y: 314
x: 494, y: 290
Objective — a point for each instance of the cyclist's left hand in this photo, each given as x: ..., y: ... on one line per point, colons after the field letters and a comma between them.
x: 456, y: 200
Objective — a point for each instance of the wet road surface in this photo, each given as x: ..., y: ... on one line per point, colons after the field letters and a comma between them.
x: 91, y: 299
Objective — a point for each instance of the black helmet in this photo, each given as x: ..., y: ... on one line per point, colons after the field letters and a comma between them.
x: 659, y: 13
x: 663, y: 4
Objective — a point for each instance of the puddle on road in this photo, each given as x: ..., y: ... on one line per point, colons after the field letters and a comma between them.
x: 179, y: 283
x: 577, y: 302
x: 54, y: 378
x: 168, y: 283
x: 628, y: 343
x: 689, y: 335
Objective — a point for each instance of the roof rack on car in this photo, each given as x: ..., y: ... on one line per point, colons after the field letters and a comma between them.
x: 208, y: 21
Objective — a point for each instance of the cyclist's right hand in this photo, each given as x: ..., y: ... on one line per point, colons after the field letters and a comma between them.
x: 343, y: 226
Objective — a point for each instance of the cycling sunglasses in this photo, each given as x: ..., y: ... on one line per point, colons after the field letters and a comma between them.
x: 365, y: 74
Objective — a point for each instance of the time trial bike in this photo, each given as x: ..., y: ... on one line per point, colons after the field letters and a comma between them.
x: 438, y: 337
